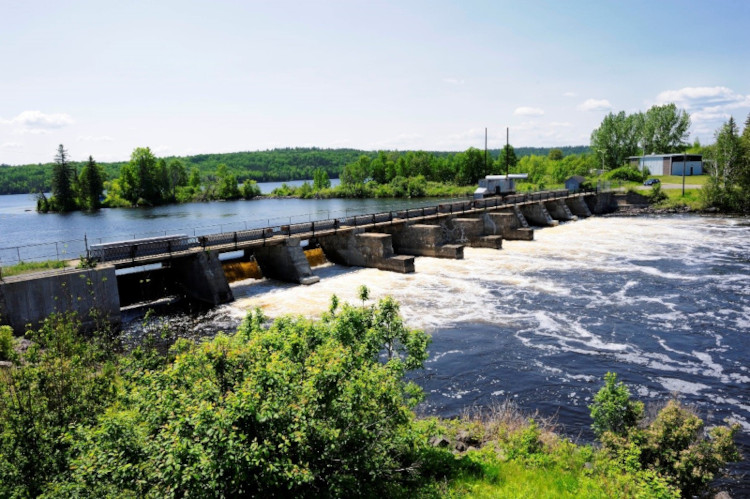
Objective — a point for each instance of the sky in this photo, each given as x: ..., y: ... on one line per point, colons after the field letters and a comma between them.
x: 188, y: 77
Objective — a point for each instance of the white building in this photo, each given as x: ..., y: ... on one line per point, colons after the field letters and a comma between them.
x: 669, y: 164
x: 496, y: 185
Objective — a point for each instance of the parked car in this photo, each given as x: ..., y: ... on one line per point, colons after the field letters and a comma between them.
x: 651, y: 181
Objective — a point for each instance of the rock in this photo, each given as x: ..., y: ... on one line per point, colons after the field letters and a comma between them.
x: 5, y: 364
x: 460, y: 447
x: 440, y: 441
x: 470, y: 448
x: 467, y: 438
x: 723, y: 495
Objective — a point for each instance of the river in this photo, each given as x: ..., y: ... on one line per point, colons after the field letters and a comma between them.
x: 664, y: 301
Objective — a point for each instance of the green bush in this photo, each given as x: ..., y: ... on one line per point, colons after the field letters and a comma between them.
x: 672, y: 446
x: 612, y: 410
x: 299, y: 408
x: 6, y: 343
x: 626, y: 174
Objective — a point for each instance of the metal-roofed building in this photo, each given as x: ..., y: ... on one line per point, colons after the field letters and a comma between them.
x: 669, y: 164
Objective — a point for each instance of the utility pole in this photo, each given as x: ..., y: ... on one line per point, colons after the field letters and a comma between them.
x: 485, y: 151
x: 507, y: 151
x: 684, y: 167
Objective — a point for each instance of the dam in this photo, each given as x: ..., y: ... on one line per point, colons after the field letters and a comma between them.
x: 192, y: 267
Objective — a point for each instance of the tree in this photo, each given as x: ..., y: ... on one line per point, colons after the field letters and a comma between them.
x: 664, y: 129
x: 320, y: 179
x: 471, y: 166
x: 555, y: 154
x: 616, y: 138
x: 227, y: 186
x: 91, y: 182
x: 725, y: 162
x: 612, y: 409
x: 507, y: 160
x: 140, y: 179
x: 178, y: 177
x: 63, y: 193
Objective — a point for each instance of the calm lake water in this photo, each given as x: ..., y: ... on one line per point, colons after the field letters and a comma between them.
x: 664, y: 301
x: 28, y: 235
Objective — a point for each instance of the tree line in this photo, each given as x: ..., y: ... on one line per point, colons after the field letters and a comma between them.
x: 728, y: 163
x: 261, y: 166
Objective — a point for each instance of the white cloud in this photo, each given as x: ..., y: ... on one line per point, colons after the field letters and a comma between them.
x: 31, y: 131
x: 453, y: 81
x: 705, y: 98
x: 596, y: 105
x: 40, y: 120
x: 528, y: 111
x: 94, y: 138
x: 11, y: 145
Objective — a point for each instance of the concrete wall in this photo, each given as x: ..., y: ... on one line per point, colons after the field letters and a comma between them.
x: 423, y: 240
x: 507, y: 225
x: 201, y: 277
x: 578, y: 206
x: 559, y: 210
x: 286, y: 262
x: 31, y: 299
x: 365, y: 249
x: 537, y: 214
x: 602, y: 202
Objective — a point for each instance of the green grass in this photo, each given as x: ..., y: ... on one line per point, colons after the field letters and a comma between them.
x: 28, y: 267
x: 675, y: 199
x: 689, y: 180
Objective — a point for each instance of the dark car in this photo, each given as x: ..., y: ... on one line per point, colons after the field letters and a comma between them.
x: 651, y: 181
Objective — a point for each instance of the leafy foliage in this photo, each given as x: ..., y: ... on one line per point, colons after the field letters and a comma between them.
x: 728, y: 162
x: 673, y: 445
x: 301, y: 408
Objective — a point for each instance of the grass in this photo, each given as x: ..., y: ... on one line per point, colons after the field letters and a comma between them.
x: 689, y: 180
x: 675, y: 199
x: 29, y: 267
x: 519, y: 457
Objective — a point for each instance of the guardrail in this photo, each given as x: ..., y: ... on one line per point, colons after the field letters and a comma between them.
x: 168, y: 244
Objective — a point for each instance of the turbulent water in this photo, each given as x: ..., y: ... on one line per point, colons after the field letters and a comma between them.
x: 662, y: 301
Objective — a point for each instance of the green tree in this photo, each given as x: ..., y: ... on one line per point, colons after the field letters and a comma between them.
x: 357, y: 172
x: 91, y: 182
x: 63, y: 193
x: 665, y: 129
x: 612, y: 410
x: 725, y: 164
x: 227, y: 185
x: 555, y: 154
x: 250, y: 189
x: 471, y: 166
x: 616, y: 138
x: 507, y: 160
x: 321, y: 180
x: 297, y: 408
x: 178, y: 177
x: 140, y: 179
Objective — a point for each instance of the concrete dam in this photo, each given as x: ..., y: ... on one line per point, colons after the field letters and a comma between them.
x: 139, y: 271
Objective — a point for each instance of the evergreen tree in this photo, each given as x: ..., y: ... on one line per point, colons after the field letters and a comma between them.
x: 507, y: 160
x: 62, y: 182
x: 91, y: 184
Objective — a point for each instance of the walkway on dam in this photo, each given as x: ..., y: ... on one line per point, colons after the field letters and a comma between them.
x: 144, y: 252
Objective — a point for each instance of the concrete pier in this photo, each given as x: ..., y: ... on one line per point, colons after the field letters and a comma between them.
x: 537, y: 214
x: 285, y: 262
x: 471, y: 231
x: 506, y: 225
x: 423, y: 240
x: 365, y: 249
x: 559, y: 210
x: 201, y: 277
x: 29, y: 299
x: 578, y: 207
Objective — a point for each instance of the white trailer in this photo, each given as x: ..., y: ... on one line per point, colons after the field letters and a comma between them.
x: 498, y: 185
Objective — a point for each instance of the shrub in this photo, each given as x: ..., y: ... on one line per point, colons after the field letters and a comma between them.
x: 300, y: 408
x: 612, y: 410
x: 673, y: 445
x: 626, y: 174
x: 6, y: 343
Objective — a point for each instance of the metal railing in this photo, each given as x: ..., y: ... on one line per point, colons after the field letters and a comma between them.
x: 248, y: 231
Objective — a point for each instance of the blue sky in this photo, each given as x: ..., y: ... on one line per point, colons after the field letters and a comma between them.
x: 187, y: 77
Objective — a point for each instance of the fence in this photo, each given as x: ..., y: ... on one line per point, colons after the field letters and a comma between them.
x: 182, y: 239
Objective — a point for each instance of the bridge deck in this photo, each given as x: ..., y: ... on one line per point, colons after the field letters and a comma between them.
x: 271, y: 236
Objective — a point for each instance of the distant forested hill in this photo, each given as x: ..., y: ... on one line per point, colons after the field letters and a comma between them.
x: 272, y: 165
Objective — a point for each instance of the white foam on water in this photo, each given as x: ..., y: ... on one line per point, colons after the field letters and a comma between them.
x: 674, y: 385
x: 440, y: 355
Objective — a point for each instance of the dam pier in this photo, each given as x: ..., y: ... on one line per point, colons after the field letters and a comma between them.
x: 142, y: 270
